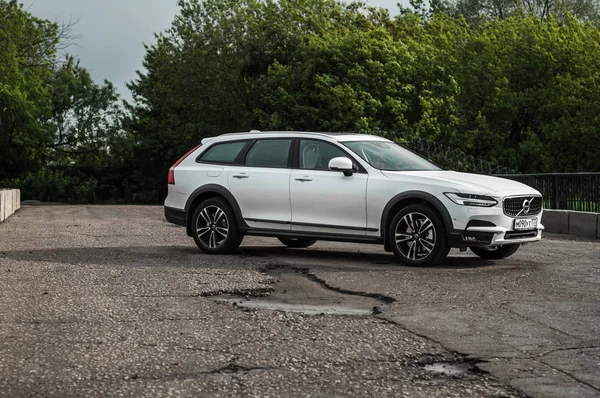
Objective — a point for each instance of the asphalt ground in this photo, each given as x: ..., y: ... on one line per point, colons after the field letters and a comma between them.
x: 114, y: 301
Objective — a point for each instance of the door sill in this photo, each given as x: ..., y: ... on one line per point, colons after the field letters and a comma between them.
x: 313, y: 236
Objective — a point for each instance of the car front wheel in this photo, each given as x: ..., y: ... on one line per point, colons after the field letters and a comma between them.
x: 495, y: 252
x: 214, y: 228
x: 417, y: 236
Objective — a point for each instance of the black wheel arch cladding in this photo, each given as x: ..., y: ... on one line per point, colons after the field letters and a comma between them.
x: 415, y: 197
x: 212, y: 190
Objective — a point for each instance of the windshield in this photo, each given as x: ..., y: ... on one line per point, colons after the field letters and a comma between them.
x: 385, y: 155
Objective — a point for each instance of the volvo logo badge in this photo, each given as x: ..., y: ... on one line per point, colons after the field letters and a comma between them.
x: 526, y: 206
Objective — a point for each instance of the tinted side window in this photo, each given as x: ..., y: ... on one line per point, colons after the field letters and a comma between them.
x: 315, y: 155
x: 269, y: 153
x: 223, y: 153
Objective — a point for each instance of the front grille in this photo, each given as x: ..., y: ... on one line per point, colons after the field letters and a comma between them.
x: 513, y: 207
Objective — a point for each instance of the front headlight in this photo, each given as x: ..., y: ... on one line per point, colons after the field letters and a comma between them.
x: 466, y: 199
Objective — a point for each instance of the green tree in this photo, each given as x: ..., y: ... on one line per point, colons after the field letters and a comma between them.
x: 477, y: 11
x: 84, y: 114
x: 527, y: 87
x: 28, y: 48
x: 354, y: 78
x: 515, y: 91
x: 57, y: 127
x: 201, y: 74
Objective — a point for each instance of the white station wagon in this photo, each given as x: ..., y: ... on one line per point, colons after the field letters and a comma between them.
x: 301, y: 187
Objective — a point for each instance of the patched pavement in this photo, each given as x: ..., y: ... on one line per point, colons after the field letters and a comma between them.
x: 113, y: 300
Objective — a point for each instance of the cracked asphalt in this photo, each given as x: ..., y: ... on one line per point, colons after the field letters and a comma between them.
x: 114, y: 301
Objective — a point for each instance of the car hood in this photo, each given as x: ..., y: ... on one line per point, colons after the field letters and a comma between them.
x: 465, y: 182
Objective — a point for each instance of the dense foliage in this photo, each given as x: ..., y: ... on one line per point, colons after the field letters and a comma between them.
x: 56, y: 124
x: 518, y: 89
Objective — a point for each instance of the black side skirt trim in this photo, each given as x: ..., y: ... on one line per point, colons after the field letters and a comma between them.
x: 314, y: 236
x: 268, y: 221
x: 301, y: 224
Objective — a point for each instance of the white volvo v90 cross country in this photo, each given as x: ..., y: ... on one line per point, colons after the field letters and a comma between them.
x: 301, y: 187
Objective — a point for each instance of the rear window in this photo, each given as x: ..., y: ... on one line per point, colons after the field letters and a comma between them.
x: 269, y: 153
x: 224, y: 153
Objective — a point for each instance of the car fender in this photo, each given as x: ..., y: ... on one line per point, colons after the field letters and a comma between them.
x: 220, y: 191
x: 422, y: 196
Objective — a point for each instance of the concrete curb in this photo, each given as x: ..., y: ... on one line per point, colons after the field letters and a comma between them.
x: 577, y: 223
x: 10, y: 202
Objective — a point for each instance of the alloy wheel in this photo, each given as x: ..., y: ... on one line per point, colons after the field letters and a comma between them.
x: 415, y: 236
x: 212, y: 226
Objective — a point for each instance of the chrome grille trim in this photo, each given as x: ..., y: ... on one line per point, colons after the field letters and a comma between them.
x: 513, y: 206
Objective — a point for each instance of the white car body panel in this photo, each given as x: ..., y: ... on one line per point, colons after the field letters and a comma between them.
x: 463, y: 182
x: 342, y: 201
x: 273, y: 204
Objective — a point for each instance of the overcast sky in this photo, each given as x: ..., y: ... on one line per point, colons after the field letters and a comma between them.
x: 112, y: 32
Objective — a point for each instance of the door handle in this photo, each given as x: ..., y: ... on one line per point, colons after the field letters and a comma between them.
x: 240, y: 176
x: 304, y: 179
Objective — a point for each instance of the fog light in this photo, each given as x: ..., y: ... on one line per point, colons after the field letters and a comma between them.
x: 478, y: 237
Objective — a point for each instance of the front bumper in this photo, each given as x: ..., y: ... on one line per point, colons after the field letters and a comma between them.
x: 500, y: 236
x: 488, y: 226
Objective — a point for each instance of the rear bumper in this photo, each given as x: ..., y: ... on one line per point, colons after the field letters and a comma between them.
x: 175, y: 216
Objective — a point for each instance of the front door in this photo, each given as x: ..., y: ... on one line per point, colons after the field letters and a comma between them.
x: 326, y: 201
x: 261, y: 185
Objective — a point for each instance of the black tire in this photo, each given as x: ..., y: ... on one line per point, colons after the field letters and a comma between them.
x: 297, y: 242
x: 214, y: 228
x: 417, y: 236
x: 496, y: 252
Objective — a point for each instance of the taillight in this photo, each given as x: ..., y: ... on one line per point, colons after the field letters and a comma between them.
x: 171, y: 178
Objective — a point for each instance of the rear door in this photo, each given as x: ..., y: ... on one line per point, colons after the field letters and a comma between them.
x: 261, y: 184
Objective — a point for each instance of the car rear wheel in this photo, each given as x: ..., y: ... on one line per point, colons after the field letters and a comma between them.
x: 297, y: 242
x: 214, y: 228
x: 417, y: 236
x: 495, y: 252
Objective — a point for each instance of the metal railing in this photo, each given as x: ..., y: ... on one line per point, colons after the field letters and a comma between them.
x: 564, y: 191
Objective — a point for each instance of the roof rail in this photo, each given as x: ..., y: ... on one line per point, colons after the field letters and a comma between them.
x: 322, y: 134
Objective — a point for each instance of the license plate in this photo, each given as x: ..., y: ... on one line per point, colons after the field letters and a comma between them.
x: 522, y: 224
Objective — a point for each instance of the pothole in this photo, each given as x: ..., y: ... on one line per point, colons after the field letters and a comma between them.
x: 299, y: 308
x: 295, y: 292
x: 450, y: 369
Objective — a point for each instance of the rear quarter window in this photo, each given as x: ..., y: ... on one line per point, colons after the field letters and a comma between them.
x: 224, y: 153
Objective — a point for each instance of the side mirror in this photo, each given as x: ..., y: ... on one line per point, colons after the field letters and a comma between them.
x: 341, y: 164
